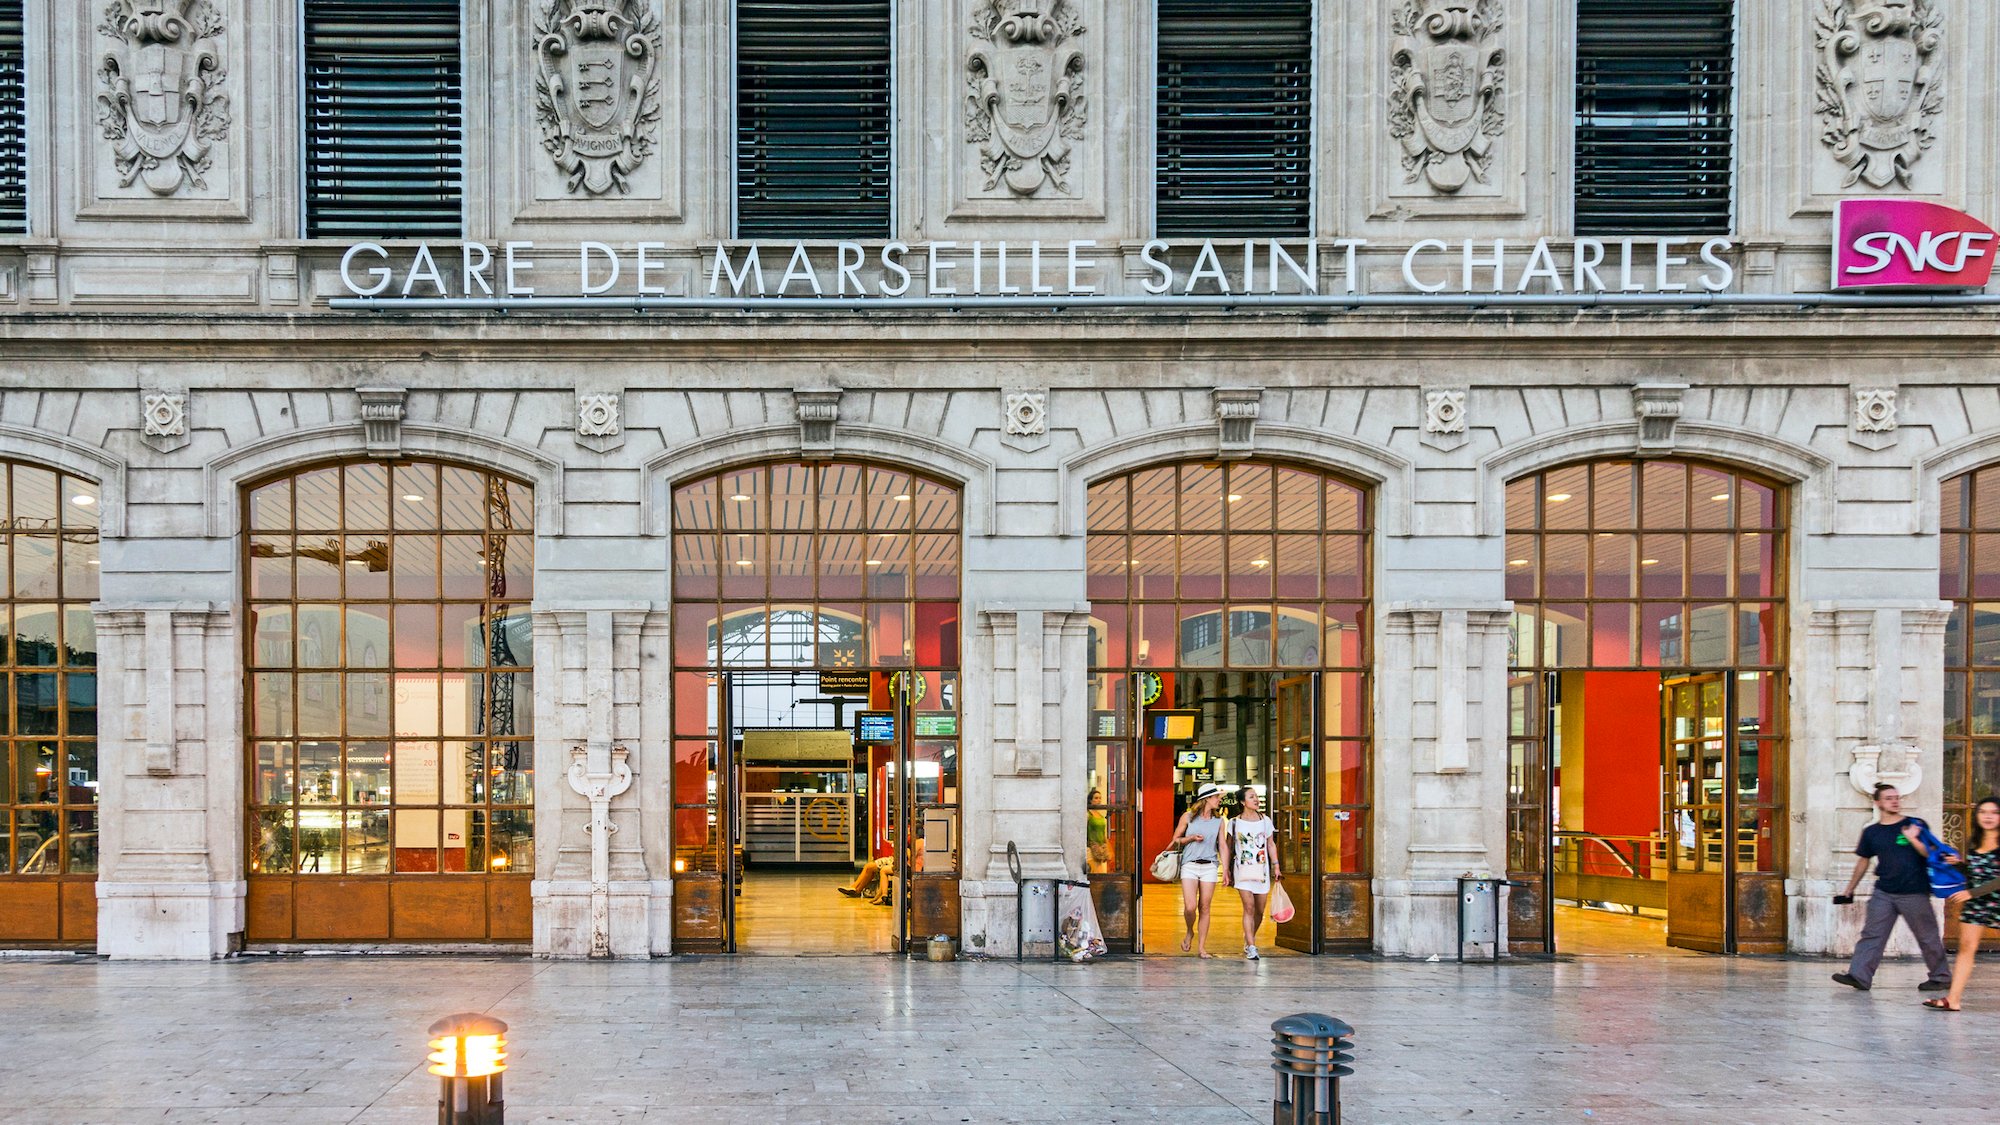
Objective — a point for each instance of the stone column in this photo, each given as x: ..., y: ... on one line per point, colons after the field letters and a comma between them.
x: 1869, y: 706
x: 1026, y: 703
x: 1440, y: 768
x: 593, y: 665
x: 170, y: 881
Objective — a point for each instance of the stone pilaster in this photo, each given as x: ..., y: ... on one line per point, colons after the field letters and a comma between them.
x: 592, y: 665
x: 1441, y: 768
x: 170, y: 883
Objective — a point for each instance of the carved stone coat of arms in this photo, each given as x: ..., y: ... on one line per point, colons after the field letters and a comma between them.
x: 597, y: 89
x: 1446, y: 77
x: 1024, y: 103
x: 1879, y: 88
x: 160, y: 100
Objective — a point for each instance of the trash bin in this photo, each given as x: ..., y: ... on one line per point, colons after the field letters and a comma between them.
x: 1309, y: 1055
x: 941, y: 947
x: 1478, y: 913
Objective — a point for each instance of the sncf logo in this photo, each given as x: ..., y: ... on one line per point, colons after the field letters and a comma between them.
x: 1907, y: 244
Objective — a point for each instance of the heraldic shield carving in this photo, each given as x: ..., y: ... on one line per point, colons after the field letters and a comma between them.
x: 159, y: 99
x: 1024, y: 103
x: 1446, y: 77
x: 597, y: 89
x: 1879, y: 90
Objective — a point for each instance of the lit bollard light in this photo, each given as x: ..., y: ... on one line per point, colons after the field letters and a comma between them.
x: 467, y: 1054
x: 1309, y: 1056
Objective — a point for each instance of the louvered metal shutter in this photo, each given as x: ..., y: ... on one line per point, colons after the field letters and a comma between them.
x: 384, y: 119
x: 812, y: 119
x: 1655, y: 127
x: 1234, y: 138
x: 13, y: 122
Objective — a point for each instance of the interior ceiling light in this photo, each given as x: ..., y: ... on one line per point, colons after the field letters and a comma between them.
x: 83, y: 499
x: 1517, y: 562
x: 1559, y: 497
x: 1234, y: 497
x: 903, y: 499
x: 412, y: 498
x: 1648, y: 562
x: 1720, y: 497
x: 1260, y: 562
x: 740, y: 498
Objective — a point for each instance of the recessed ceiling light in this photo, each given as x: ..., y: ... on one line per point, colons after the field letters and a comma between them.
x: 1558, y: 497
x: 1648, y: 562
x: 412, y: 498
x: 1234, y: 497
x: 1720, y: 497
x: 740, y: 498
x: 746, y: 562
x: 1131, y: 562
x: 1260, y: 562
x: 873, y: 562
x: 1517, y: 562
x: 83, y: 499
x: 903, y: 499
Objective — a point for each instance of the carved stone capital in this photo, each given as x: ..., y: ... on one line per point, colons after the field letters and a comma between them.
x: 1879, y: 85
x: 382, y: 419
x: 1024, y: 105
x: 160, y: 99
x: 1658, y: 407
x: 1236, y: 411
x: 818, y: 411
x: 164, y: 419
x: 1447, y: 78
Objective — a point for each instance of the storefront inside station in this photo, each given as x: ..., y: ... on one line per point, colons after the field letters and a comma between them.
x: 1230, y: 644
x: 1647, y: 709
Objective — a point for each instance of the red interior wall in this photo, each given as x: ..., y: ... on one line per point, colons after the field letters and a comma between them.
x: 1621, y: 762
x: 1157, y: 824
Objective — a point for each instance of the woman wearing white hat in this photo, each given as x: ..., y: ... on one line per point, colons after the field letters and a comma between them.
x: 1199, y: 836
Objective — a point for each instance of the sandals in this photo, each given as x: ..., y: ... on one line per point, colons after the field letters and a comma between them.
x: 1939, y: 1004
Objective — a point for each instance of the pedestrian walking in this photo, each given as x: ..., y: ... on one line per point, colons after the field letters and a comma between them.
x: 1251, y: 859
x: 1902, y: 890
x: 1199, y: 836
x: 1976, y: 915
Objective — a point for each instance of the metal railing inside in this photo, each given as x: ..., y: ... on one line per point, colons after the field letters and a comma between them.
x: 1610, y: 872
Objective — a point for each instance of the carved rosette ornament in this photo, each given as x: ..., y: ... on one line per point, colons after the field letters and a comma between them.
x: 1446, y: 76
x: 1875, y: 410
x: 1024, y: 101
x: 1879, y: 87
x: 597, y: 89
x: 159, y: 98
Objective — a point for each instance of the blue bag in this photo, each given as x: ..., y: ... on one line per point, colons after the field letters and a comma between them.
x: 1946, y: 879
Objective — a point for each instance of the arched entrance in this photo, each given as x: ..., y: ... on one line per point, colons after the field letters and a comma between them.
x: 390, y: 705
x: 1646, y: 793
x: 816, y: 708
x: 1230, y: 621
x: 1969, y: 578
x: 48, y: 658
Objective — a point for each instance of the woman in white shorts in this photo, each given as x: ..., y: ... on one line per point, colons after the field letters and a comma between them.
x: 1250, y: 857
x: 1199, y: 836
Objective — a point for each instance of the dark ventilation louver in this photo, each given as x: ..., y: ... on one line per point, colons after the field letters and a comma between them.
x: 13, y: 122
x: 1235, y: 118
x: 384, y: 119
x: 812, y: 119
x: 1655, y: 124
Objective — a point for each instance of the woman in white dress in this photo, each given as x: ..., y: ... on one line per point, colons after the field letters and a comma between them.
x: 1250, y: 864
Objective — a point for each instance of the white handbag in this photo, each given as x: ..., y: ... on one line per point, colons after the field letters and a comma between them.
x: 1167, y: 865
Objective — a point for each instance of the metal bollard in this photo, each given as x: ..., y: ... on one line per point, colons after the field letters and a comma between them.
x: 1309, y: 1054
x: 468, y: 1055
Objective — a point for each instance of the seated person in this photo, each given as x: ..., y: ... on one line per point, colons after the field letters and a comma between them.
x: 881, y: 873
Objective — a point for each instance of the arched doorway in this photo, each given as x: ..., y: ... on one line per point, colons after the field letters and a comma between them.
x: 1230, y: 619
x: 1969, y: 578
x: 389, y: 705
x: 816, y: 708
x: 1646, y: 793
x: 48, y: 658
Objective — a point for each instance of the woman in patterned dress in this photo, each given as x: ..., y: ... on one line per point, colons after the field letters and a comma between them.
x: 1976, y: 915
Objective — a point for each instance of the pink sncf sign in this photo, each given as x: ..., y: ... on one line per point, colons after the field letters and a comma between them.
x: 1909, y: 244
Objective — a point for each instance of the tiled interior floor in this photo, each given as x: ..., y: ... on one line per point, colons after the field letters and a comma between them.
x: 339, y: 1040
x: 800, y: 912
x: 1162, y: 925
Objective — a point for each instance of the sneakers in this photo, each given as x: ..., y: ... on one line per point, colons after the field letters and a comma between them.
x: 1935, y: 986
x: 1250, y: 953
x: 1850, y: 980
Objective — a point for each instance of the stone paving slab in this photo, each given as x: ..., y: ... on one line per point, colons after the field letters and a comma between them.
x: 339, y: 1040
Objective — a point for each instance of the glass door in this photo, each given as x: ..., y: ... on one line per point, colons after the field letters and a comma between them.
x: 1697, y: 804
x: 1112, y: 858
x: 1292, y: 789
x: 706, y: 867
x: 926, y: 797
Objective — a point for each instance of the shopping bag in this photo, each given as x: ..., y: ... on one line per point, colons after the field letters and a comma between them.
x: 1077, y: 934
x: 1167, y: 865
x: 1281, y: 903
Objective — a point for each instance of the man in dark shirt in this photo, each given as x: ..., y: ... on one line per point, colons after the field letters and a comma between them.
x: 1902, y: 890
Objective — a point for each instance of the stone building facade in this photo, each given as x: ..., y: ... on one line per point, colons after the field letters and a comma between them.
x: 170, y: 340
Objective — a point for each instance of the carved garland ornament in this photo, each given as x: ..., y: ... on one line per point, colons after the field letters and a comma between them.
x: 159, y: 99
x: 1024, y: 102
x: 597, y: 90
x: 1446, y: 76
x: 1879, y: 87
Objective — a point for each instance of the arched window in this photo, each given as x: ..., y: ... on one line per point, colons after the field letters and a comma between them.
x: 48, y: 658
x: 1969, y: 577
x: 391, y: 704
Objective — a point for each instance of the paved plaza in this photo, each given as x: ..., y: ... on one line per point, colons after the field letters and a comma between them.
x: 765, y: 1040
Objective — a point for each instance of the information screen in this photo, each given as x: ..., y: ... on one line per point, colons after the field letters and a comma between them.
x: 1172, y: 726
x: 875, y: 726
x: 1190, y: 759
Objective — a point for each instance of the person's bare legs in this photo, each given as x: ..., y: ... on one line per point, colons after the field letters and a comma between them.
x: 1253, y: 914
x: 1961, y: 969
x: 1190, y: 906
x: 1207, y: 914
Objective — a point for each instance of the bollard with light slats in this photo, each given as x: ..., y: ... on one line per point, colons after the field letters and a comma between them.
x: 1309, y: 1054
x: 468, y: 1054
